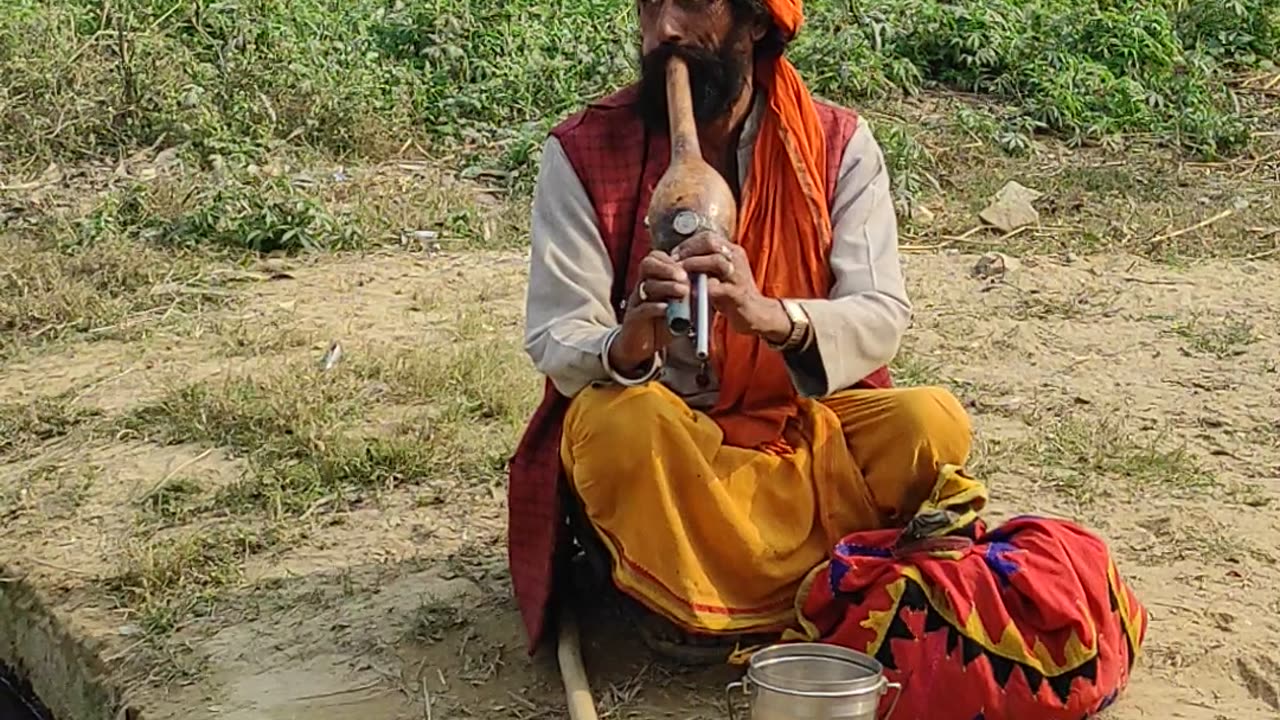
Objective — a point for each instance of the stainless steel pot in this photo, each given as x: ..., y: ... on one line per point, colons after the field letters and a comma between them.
x: 813, y: 681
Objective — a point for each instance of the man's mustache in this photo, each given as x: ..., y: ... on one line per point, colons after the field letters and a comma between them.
x: 711, y: 74
x: 657, y: 58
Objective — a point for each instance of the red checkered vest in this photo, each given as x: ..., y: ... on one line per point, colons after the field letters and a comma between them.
x: 619, y: 162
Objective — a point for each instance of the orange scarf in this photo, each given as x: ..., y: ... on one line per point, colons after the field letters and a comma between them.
x: 785, y: 228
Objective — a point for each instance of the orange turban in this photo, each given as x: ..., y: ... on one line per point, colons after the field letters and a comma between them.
x: 784, y: 226
x: 788, y: 15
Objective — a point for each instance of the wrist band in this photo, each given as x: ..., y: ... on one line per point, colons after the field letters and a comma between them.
x: 801, y: 333
x: 654, y: 366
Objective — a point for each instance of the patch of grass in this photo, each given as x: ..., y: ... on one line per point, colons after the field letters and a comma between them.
x: 236, y: 211
x: 1175, y: 540
x: 167, y: 581
x: 1083, y: 459
x: 139, y: 253
x: 339, y: 476
x: 1038, y: 305
x: 421, y: 207
x: 912, y: 370
x: 49, y: 491
x: 254, y: 337
x: 301, y: 428
x: 433, y: 619
x: 172, y: 501
x: 1222, y: 338
x: 293, y: 410
x: 49, y: 291
x: 24, y: 425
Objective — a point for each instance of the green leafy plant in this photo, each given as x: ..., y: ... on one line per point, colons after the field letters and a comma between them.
x: 482, y: 80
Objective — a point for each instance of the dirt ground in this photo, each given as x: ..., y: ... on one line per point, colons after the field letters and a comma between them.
x: 1138, y: 399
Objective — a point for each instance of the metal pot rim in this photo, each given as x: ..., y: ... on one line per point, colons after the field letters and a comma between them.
x: 873, y: 684
x: 875, y: 689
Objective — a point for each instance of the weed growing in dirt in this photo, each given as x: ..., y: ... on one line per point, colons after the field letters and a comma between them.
x: 1223, y: 339
x: 433, y: 619
x: 1175, y: 540
x: 1039, y: 305
x: 172, y: 501
x: 25, y: 425
x: 165, y: 581
x: 48, y: 491
x: 911, y: 370
x: 1084, y: 457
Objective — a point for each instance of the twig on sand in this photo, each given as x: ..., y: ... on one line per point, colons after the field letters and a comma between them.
x: 426, y: 701
x: 94, y: 386
x: 1202, y: 224
x: 335, y: 693
x: 522, y: 701
x: 1149, y: 281
x: 63, y: 568
x: 116, y: 656
x: 181, y: 466
x: 1262, y: 255
x: 923, y: 248
x: 1014, y: 233
x: 965, y: 235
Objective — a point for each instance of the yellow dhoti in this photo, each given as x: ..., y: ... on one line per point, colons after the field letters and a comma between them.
x: 718, y: 538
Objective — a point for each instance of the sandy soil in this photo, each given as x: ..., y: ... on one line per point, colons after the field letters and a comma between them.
x: 386, y: 610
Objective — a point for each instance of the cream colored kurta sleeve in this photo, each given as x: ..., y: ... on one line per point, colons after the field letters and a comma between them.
x: 567, y: 309
x: 861, y: 326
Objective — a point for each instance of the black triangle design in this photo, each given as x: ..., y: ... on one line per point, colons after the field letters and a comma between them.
x: 913, y: 597
x: 1001, y: 668
x: 1034, y: 677
x: 933, y: 620
x: 1061, y: 685
x: 1089, y: 670
x: 953, y: 639
x: 898, y: 630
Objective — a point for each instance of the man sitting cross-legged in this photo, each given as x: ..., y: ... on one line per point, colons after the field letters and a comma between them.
x: 714, y: 492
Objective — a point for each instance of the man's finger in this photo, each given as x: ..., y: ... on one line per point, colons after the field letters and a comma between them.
x: 661, y: 290
x: 662, y: 268
x: 721, y: 295
x: 649, y: 311
x: 703, y: 243
x: 714, y: 266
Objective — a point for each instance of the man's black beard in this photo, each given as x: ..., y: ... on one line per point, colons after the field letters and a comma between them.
x: 715, y: 81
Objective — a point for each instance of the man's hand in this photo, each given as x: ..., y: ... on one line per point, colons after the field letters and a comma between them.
x: 644, y: 327
x: 731, y: 287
